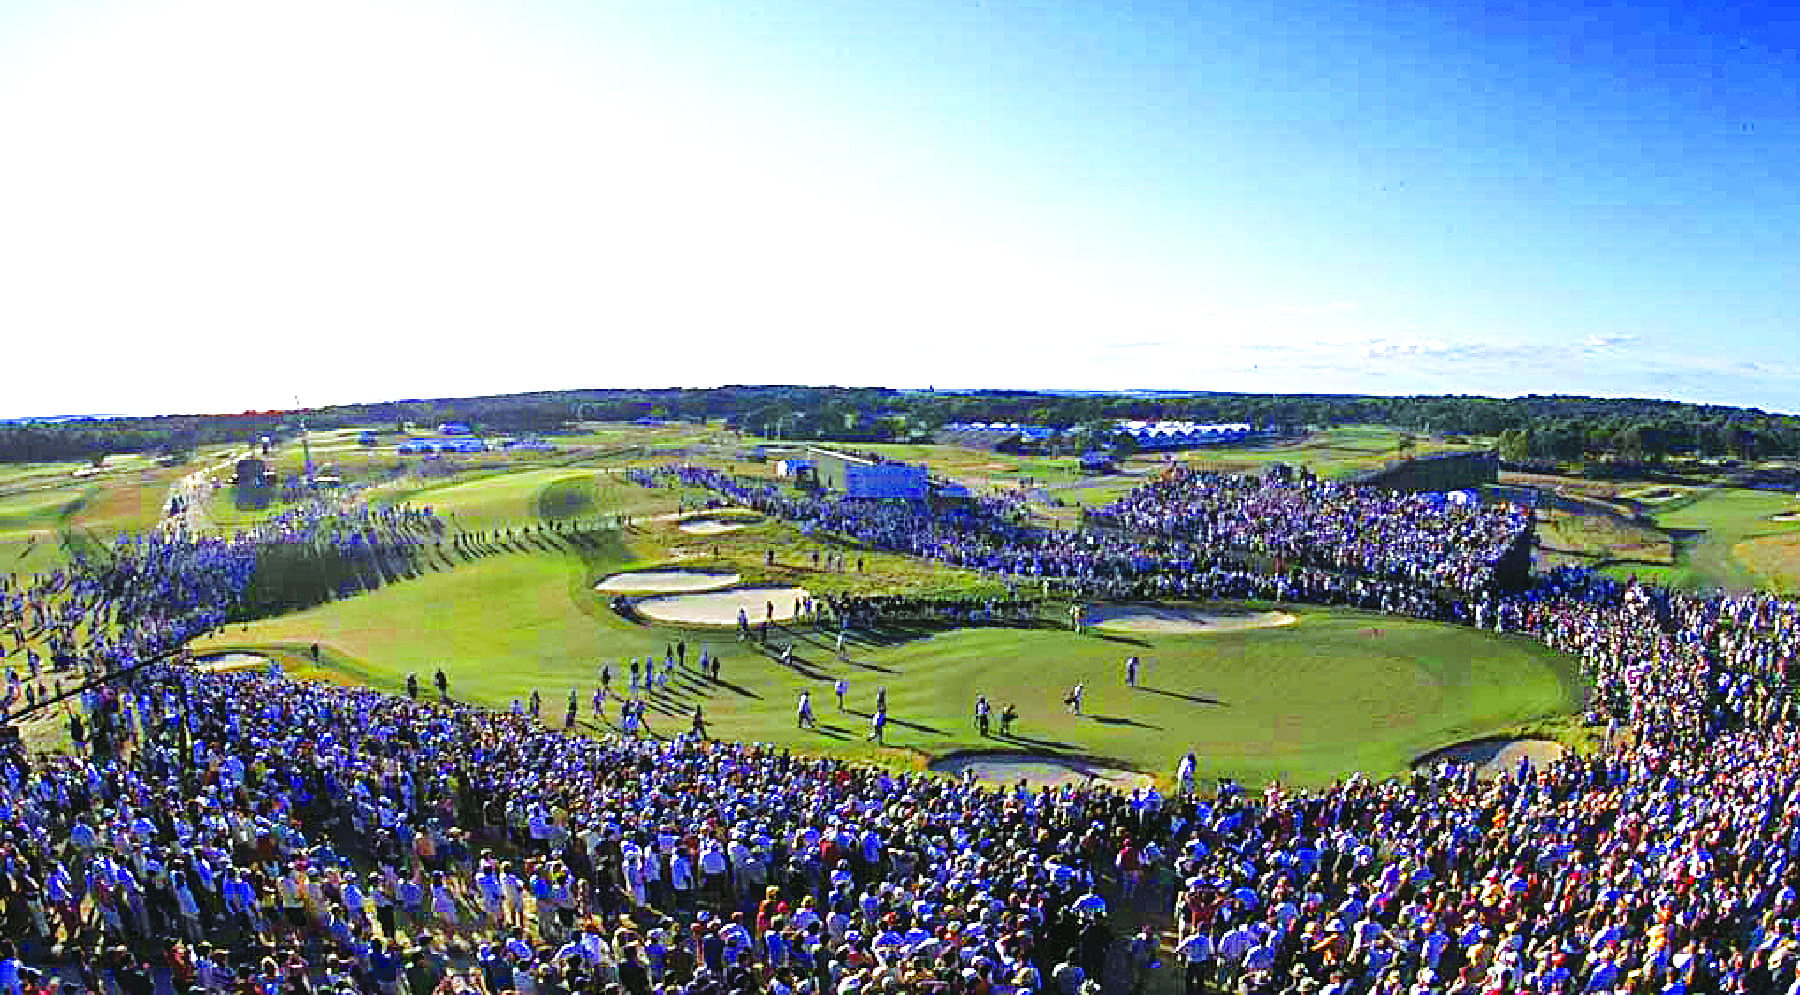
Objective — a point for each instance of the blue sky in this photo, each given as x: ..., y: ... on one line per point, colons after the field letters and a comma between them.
x: 212, y: 206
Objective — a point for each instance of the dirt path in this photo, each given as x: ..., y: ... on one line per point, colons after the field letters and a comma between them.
x: 194, y: 489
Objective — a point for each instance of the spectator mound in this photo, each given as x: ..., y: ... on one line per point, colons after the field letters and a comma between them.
x: 721, y: 607
x: 1493, y: 757
x: 665, y: 582
x: 1167, y: 619
x: 1038, y: 770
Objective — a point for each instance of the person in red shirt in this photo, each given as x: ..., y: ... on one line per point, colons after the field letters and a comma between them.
x: 1129, y: 863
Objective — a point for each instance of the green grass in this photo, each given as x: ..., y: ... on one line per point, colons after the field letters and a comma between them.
x: 1095, y: 495
x: 509, y: 499
x: 1601, y: 542
x: 26, y: 551
x: 1335, y: 453
x: 1717, y: 534
x: 567, y: 498
x: 1338, y: 692
x: 44, y: 508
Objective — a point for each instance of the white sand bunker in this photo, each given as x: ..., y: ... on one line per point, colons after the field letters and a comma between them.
x: 665, y: 582
x: 1038, y: 770
x: 716, y: 526
x: 1654, y: 495
x: 1165, y: 619
x: 1785, y: 516
x: 721, y: 607
x: 1493, y: 757
x: 226, y: 662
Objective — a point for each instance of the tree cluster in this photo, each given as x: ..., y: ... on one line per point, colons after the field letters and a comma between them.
x: 1530, y: 428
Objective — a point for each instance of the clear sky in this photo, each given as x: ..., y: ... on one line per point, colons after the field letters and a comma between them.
x: 213, y: 205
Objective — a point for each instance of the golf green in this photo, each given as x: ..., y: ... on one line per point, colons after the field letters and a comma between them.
x: 1336, y: 692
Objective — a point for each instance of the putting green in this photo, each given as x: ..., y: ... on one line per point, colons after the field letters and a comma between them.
x: 1338, y: 691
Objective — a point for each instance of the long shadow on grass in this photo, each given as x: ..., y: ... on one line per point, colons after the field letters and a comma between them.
x: 727, y: 685
x: 798, y: 666
x: 1034, y: 743
x: 872, y: 666
x: 894, y: 633
x: 1113, y: 637
x: 920, y: 726
x: 1198, y: 699
x: 1120, y: 720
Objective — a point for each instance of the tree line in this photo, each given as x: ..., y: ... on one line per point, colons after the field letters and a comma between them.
x: 1530, y: 428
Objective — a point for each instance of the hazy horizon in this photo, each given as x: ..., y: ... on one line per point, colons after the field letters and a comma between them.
x: 215, y: 206
x: 1152, y: 392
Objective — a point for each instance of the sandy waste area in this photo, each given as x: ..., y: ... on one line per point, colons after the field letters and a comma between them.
x: 1037, y: 770
x: 721, y: 607
x: 1494, y: 757
x: 665, y: 582
x: 1149, y: 618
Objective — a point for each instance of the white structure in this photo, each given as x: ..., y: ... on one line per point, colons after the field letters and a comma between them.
x: 1182, y: 434
x: 791, y: 467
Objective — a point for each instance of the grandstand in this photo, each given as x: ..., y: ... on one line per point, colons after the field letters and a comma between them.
x: 1169, y: 435
x: 994, y: 435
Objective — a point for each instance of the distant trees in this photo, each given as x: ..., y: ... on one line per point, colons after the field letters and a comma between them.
x: 1532, y: 428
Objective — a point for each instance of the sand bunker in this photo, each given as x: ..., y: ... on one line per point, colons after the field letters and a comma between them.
x: 1654, y: 495
x: 665, y: 582
x: 716, y: 526
x: 1785, y: 516
x: 226, y: 662
x: 1038, y: 770
x: 1494, y: 757
x: 1165, y: 619
x: 721, y: 607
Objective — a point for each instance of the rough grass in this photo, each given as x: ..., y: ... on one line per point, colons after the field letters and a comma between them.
x: 1772, y: 559
x: 1600, y: 541
x: 1714, y: 526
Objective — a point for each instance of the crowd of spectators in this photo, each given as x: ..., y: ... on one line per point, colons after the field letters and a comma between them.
x: 1298, y: 519
x: 1184, y: 534
x: 250, y: 834
x: 298, y: 837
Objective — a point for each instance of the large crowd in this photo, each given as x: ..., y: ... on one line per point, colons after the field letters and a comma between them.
x: 245, y: 833
x: 1187, y: 534
x: 1299, y: 519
